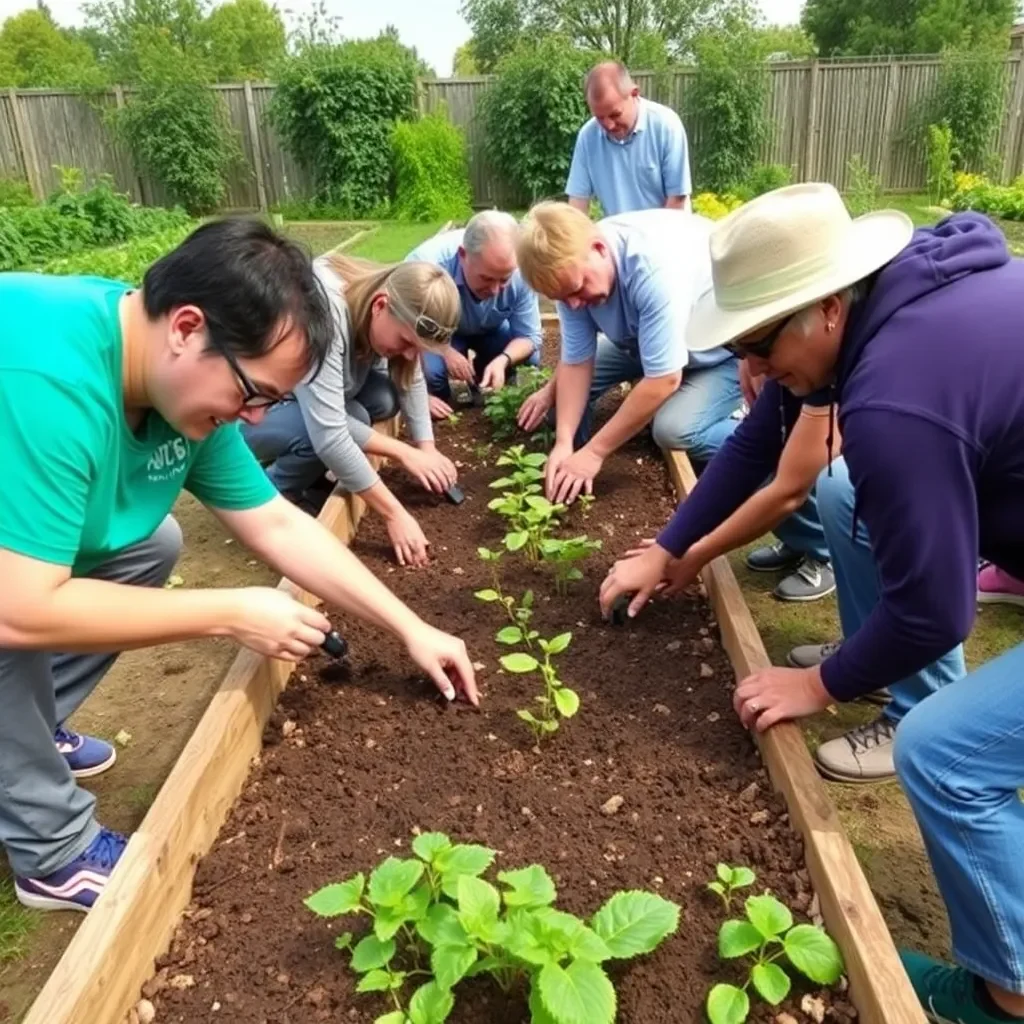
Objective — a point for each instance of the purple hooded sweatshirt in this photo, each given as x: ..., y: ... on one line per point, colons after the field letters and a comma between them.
x: 930, y: 391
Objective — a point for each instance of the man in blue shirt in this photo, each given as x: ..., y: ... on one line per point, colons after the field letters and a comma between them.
x: 635, y: 279
x: 632, y: 154
x: 500, y: 321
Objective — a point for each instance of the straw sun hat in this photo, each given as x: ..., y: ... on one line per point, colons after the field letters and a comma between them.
x: 785, y: 250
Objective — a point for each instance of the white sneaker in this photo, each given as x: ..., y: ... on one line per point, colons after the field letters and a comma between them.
x: 863, y: 754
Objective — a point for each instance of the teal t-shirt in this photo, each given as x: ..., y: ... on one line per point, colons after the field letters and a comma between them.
x: 76, y: 484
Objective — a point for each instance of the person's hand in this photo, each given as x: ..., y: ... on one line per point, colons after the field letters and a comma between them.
x: 459, y: 367
x: 493, y: 378
x: 444, y: 659
x: 439, y: 408
x: 680, y: 573
x: 558, y: 454
x: 273, y: 623
x: 434, y: 471
x: 777, y: 694
x: 535, y: 409
x: 640, y: 574
x: 407, y: 538
x: 574, y: 475
x: 750, y: 384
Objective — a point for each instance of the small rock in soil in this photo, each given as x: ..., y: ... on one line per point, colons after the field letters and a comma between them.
x: 612, y: 806
x: 785, y: 1018
x: 316, y: 996
x: 814, y: 910
x: 714, y: 716
x: 182, y: 981
x: 759, y: 818
x: 814, y: 1008
x: 674, y: 646
x: 706, y: 671
x: 707, y: 643
x: 155, y: 985
x: 146, y: 1011
x: 747, y: 796
x: 288, y: 728
x: 661, y: 709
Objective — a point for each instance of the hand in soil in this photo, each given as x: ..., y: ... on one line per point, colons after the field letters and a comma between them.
x: 533, y: 411
x: 493, y: 378
x: 434, y: 471
x: 443, y: 657
x: 272, y: 623
x: 459, y: 367
x: 778, y: 694
x: 574, y: 476
x: 640, y: 574
x: 408, y: 539
x: 439, y: 408
x: 680, y: 573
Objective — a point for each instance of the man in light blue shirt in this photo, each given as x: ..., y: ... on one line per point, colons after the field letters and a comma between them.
x: 635, y: 279
x: 632, y: 154
x: 500, y: 320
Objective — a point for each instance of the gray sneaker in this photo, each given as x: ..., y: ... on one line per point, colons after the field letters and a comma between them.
x: 812, y: 581
x: 810, y: 655
x: 777, y: 557
x: 863, y: 754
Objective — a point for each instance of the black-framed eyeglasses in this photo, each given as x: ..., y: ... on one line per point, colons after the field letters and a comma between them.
x: 762, y: 348
x: 252, y: 397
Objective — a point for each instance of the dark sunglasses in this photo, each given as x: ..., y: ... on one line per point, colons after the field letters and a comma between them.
x: 762, y: 348
x: 252, y: 398
x: 430, y: 329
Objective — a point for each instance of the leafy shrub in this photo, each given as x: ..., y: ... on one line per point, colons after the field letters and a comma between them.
x: 532, y: 114
x: 127, y: 262
x: 976, y: 192
x: 730, y: 95
x: 431, y: 170
x: 435, y: 910
x: 763, y: 178
x: 336, y: 108
x: 715, y: 207
x: 16, y: 192
x: 865, y: 189
x: 940, y: 162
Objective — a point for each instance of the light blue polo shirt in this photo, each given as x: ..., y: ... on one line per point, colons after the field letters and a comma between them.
x: 516, y: 304
x: 662, y: 267
x: 638, y: 173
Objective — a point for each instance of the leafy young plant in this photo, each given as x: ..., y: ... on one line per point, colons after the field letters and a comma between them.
x: 564, y: 554
x: 557, y: 701
x: 519, y: 614
x: 437, y: 910
x: 767, y: 936
x: 940, y: 162
x: 529, y: 515
x: 502, y: 407
x: 729, y: 880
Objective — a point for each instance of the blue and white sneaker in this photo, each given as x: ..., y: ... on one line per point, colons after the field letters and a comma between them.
x: 78, y: 885
x: 86, y: 756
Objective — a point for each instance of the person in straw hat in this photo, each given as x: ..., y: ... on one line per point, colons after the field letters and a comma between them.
x: 917, y: 335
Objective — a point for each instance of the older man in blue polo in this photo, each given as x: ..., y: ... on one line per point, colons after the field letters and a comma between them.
x: 632, y: 154
x: 500, y: 315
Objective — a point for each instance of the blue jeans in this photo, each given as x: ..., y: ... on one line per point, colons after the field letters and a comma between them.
x: 485, y: 347
x: 281, y: 441
x: 960, y: 758
x: 696, y: 419
x: 803, y: 531
x: 858, y: 589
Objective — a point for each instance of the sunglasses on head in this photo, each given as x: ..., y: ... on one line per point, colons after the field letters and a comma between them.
x: 428, y: 328
x: 762, y: 348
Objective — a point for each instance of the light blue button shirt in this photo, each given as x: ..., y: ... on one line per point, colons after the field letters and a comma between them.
x: 662, y: 267
x: 516, y: 304
x: 639, y: 173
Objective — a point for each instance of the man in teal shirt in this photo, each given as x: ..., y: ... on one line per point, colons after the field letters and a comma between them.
x: 112, y: 401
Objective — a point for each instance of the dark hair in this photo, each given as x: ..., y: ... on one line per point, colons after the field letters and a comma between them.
x: 253, y: 285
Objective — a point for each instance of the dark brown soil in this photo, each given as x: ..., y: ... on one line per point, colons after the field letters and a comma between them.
x: 358, y: 758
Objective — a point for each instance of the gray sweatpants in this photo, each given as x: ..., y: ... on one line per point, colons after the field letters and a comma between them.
x: 46, y: 818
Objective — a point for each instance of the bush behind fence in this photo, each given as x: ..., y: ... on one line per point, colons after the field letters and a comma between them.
x: 823, y: 113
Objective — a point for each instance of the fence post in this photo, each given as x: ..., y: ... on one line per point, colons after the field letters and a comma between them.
x: 26, y: 146
x: 137, y: 193
x: 811, y: 142
x: 888, y: 111
x: 254, y: 135
x: 1013, y: 159
x: 421, y: 97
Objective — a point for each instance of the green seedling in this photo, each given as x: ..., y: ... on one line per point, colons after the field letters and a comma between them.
x: 557, y: 701
x: 519, y: 614
x: 564, y: 554
x: 437, y: 910
x: 482, y: 451
x: 502, y: 407
x: 529, y: 515
x: 453, y: 419
x: 586, y: 500
x: 767, y: 936
x: 729, y: 880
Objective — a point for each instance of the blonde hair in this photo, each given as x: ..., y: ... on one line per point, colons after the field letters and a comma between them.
x: 414, y: 290
x: 552, y: 237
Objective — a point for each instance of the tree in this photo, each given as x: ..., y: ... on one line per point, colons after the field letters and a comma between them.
x: 244, y: 39
x: 785, y: 42
x: 34, y: 52
x: 465, y: 64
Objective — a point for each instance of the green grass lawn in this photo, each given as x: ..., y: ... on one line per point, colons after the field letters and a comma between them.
x: 921, y: 211
x: 393, y: 240
x: 15, y: 923
x: 319, y: 236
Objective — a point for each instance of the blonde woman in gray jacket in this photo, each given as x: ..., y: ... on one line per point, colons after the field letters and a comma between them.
x: 385, y: 318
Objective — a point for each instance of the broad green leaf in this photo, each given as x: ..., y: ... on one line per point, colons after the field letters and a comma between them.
x: 486, y: 554
x: 813, y: 953
x: 487, y: 595
x: 430, y: 1004
x: 535, y: 459
x: 376, y: 981
x: 742, y: 877
x: 728, y: 1004
x: 526, y: 716
x: 340, y: 898
x: 343, y: 941
x: 771, y: 981
x: 464, y: 859
x: 371, y: 953
x: 450, y: 963
x: 392, y: 880
x: 527, y: 941
x: 488, y: 963
x: 530, y: 887
x: 566, y: 933
x: 717, y: 887
x: 495, y: 504
x: 574, y: 574
x: 770, y: 917
x: 479, y: 903
x: 588, y: 945
x: 505, y: 481
x: 632, y: 923
x: 387, y: 922
x: 539, y: 504
x: 578, y: 994
x: 538, y: 1014
x: 429, y: 845
x: 738, y: 938
x: 559, y: 643
x: 549, y: 726
x: 395, y: 1017
x: 724, y: 873
x: 416, y: 904
x: 509, y: 635
x: 527, y: 601
x: 519, y: 662
x: 567, y: 701
x: 514, y: 541
x: 440, y: 926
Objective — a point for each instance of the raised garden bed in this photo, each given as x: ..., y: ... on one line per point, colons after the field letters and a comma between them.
x: 357, y: 760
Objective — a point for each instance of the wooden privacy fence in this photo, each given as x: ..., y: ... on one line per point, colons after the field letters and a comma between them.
x: 823, y: 113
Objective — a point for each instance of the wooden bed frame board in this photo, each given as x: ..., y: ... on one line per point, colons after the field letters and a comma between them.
x: 99, y: 977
